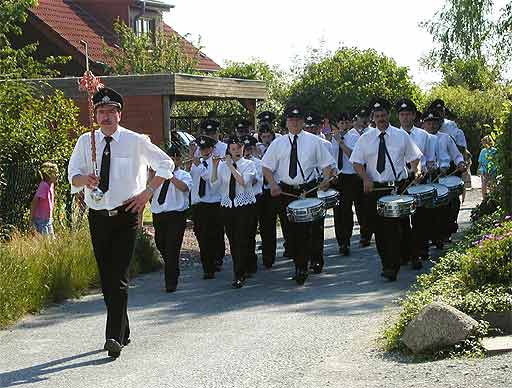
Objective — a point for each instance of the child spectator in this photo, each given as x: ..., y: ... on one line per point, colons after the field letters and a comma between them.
x: 41, y: 210
x: 487, y: 165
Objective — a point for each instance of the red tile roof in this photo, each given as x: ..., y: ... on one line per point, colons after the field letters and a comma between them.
x: 72, y: 23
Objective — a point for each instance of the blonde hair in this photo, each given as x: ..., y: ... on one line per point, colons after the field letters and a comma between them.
x: 48, y: 169
x: 487, y: 140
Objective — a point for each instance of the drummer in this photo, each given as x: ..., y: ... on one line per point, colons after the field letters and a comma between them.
x: 312, y: 124
x: 293, y: 159
x: 349, y: 184
x: 447, y: 154
x: 385, y: 150
x: 415, y: 245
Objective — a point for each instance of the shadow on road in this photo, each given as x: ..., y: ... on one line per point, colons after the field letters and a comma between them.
x: 38, y: 373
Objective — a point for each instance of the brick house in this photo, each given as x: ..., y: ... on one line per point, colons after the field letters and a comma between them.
x: 60, y: 25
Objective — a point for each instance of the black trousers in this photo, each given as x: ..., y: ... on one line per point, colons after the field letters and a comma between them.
x: 389, y: 232
x: 267, y: 219
x: 422, y: 221
x: 239, y: 222
x: 209, y: 231
x: 305, y: 240
x: 351, y: 188
x: 113, y: 241
x: 169, y: 231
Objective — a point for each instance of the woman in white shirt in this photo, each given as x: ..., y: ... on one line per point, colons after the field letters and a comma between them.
x: 169, y: 205
x: 234, y: 177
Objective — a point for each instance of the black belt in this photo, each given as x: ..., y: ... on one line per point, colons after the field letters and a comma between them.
x: 120, y: 210
x: 302, y: 187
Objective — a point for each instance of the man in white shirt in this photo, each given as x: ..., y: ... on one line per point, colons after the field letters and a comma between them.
x: 113, y: 217
x: 169, y: 206
x: 415, y: 248
x: 293, y: 160
x: 449, y: 127
x: 208, y: 226
x: 349, y: 184
x: 447, y: 155
x: 380, y: 157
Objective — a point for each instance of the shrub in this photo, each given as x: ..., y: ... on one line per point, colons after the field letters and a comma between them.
x: 474, y: 277
x: 146, y: 256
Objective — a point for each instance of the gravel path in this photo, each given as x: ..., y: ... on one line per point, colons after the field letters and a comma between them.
x: 271, y: 333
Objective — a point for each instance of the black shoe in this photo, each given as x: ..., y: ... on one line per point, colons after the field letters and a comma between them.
x: 317, y: 268
x: 416, y: 264
x: 218, y: 265
x: 170, y: 289
x: 238, y: 283
x: 389, y: 274
x: 127, y: 342
x: 301, y: 276
x: 114, y: 348
x: 344, y: 250
x: 209, y: 275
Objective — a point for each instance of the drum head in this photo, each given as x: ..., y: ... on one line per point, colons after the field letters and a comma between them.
x: 327, y: 193
x: 441, y: 190
x: 451, y: 181
x: 396, y: 199
x: 305, y: 203
x: 420, y: 189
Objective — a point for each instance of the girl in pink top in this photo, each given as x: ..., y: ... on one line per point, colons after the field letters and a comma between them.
x: 42, y: 204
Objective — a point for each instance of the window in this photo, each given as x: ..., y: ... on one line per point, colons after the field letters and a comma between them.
x: 144, y: 26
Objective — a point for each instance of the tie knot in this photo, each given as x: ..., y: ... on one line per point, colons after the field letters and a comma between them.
x: 108, y: 139
x: 204, y: 163
x: 382, y: 134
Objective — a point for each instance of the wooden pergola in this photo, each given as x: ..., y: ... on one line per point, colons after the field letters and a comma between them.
x: 155, y: 95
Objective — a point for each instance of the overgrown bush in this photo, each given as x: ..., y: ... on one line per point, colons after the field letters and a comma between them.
x: 474, y: 277
x: 36, y: 271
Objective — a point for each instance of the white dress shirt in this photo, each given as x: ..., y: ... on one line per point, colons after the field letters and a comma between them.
x: 451, y: 128
x: 400, y: 147
x: 258, y: 186
x: 219, y: 149
x: 445, y: 150
x: 175, y: 200
x: 130, y: 156
x: 350, y: 139
x: 311, y: 153
x: 421, y: 139
x: 200, y: 171
x: 244, y: 194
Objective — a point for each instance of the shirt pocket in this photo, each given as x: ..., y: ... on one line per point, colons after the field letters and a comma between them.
x: 121, y: 168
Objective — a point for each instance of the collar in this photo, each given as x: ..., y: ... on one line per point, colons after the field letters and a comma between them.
x: 291, y: 136
x: 386, y: 132
x: 116, y: 135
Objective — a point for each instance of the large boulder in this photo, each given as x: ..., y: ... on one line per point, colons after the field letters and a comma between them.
x: 437, y: 326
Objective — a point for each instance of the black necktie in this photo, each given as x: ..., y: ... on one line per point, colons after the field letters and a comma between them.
x: 381, y: 160
x: 202, y: 183
x: 340, y: 158
x: 292, y: 171
x: 232, y: 185
x: 163, y: 191
x: 105, y: 166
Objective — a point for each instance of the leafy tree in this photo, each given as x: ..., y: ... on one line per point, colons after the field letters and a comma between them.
x: 148, y: 53
x: 20, y: 62
x: 472, y: 74
x: 348, y: 78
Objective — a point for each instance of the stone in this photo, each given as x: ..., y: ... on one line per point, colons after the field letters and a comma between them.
x: 497, y: 345
x: 436, y: 327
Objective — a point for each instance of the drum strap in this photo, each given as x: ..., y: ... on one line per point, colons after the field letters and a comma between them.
x: 298, y: 162
x: 392, y: 165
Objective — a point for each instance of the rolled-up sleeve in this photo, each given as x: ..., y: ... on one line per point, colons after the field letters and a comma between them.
x: 412, y: 152
x: 157, y: 159
x: 324, y: 157
x: 249, y: 173
x: 77, y: 163
x: 358, y: 155
x: 270, y: 158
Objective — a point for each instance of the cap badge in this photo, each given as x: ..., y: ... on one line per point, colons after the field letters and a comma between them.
x: 309, y: 118
x: 202, y: 141
x: 377, y: 105
x: 105, y: 99
x: 430, y: 116
x: 404, y: 105
x: 240, y: 125
x: 295, y: 111
x: 439, y: 105
x: 209, y: 126
x: 266, y: 116
x: 247, y: 141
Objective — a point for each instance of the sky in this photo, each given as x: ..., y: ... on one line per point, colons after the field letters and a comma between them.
x: 278, y: 30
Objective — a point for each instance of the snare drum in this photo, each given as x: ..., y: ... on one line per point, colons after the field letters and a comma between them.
x: 330, y: 197
x: 423, y: 194
x: 455, y: 185
x: 442, y: 196
x: 396, y: 206
x: 306, y: 210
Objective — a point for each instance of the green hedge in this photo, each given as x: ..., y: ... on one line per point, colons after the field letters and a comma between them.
x: 36, y: 271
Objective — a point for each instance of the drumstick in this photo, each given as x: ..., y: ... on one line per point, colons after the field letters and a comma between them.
x: 289, y: 194
x: 317, y: 187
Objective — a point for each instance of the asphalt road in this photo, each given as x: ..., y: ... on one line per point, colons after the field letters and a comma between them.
x: 271, y: 333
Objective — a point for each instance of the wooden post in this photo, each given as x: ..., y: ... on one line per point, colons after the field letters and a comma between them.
x: 250, y: 105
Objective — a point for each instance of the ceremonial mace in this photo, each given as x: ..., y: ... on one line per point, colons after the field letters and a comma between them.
x: 90, y: 84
